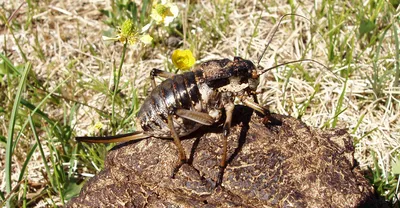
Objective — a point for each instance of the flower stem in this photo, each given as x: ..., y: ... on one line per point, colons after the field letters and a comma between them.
x: 117, y: 78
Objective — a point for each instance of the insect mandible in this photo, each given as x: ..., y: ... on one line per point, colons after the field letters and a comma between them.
x: 182, y: 103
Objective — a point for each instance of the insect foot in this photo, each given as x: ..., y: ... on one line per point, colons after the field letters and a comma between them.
x: 289, y: 165
x: 177, y: 167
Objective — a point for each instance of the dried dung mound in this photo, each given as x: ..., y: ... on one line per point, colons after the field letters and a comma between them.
x: 285, y: 165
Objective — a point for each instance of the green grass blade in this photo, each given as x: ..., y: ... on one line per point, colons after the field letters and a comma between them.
x: 286, y: 83
x: 358, y: 123
x: 11, y: 126
x: 40, y: 149
x: 255, y: 31
x: 73, y: 160
x: 9, y: 64
x: 28, y: 158
x: 143, y: 13
x: 303, y: 109
x: 24, y: 202
x: 339, y: 109
x: 36, y: 110
x: 397, y: 51
x: 377, y: 84
x: 117, y: 78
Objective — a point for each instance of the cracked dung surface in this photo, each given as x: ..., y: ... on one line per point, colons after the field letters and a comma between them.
x: 287, y: 165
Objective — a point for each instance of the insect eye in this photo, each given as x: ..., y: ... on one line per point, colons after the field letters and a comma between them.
x: 254, y: 74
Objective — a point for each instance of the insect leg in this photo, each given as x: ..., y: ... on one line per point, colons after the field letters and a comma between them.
x: 177, y: 141
x: 159, y: 73
x: 226, y: 129
x: 199, y: 117
x: 268, y: 119
x: 255, y: 106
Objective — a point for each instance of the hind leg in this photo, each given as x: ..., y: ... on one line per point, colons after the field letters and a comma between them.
x: 199, y: 117
x: 178, y: 144
x: 226, y: 130
x: 159, y: 73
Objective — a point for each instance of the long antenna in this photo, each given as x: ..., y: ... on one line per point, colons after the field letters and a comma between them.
x: 274, y: 32
x: 275, y: 29
x: 291, y: 62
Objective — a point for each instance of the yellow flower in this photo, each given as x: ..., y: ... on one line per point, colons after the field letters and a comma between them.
x: 96, y: 128
x: 165, y: 12
x: 183, y: 59
x: 98, y: 125
x: 128, y: 32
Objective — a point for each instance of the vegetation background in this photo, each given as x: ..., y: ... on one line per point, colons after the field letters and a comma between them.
x: 61, y: 79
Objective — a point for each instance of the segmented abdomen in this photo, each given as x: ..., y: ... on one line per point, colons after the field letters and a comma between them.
x: 180, y: 91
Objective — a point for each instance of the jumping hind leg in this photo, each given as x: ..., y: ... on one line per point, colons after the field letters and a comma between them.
x: 178, y: 144
x: 159, y: 73
x: 195, y: 116
x: 225, y: 133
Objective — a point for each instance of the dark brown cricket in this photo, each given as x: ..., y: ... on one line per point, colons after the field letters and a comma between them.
x: 184, y: 102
